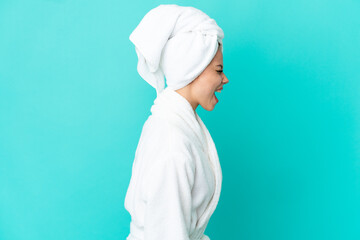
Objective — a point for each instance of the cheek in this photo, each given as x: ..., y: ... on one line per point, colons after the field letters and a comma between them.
x: 209, y: 90
x: 206, y: 87
x: 213, y: 85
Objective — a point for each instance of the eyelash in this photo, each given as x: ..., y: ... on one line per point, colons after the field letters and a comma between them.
x: 220, y: 71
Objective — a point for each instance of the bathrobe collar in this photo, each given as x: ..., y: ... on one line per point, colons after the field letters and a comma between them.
x: 175, y: 107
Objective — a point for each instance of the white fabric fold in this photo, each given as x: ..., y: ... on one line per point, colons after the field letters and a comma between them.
x: 175, y: 42
x: 165, y: 198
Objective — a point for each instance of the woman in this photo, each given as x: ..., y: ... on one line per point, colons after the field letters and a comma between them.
x: 176, y: 175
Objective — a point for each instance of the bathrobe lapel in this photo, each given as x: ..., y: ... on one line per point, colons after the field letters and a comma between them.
x: 215, y: 164
x: 175, y: 108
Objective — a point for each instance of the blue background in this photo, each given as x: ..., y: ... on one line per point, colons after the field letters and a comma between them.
x: 287, y: 126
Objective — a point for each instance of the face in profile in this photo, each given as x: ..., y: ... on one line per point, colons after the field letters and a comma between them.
x: 211, y: 80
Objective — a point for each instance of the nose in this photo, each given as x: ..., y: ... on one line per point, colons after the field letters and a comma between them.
x: 225, y: 79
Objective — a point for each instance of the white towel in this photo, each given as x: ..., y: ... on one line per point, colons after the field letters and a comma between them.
x: 175, y: 42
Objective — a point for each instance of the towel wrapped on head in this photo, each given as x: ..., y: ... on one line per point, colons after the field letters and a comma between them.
x: 175, y: 42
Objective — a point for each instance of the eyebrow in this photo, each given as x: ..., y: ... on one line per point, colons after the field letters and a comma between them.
x: 220, y: 65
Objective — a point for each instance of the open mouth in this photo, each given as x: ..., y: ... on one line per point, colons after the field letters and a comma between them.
x: 216, y: 92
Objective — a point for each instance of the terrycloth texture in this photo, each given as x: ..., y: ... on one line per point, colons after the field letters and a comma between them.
x: 176, y: 174
x: 176, y: 42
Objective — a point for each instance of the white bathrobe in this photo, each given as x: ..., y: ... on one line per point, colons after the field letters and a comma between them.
x: 176, y: 174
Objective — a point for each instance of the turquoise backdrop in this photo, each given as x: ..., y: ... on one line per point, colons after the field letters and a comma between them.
x: 287, y: 126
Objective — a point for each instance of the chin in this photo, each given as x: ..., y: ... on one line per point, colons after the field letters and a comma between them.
x: 208, y: 107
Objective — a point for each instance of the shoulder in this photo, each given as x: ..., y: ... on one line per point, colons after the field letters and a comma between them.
x: 168, y: 133
x: 168, y: 141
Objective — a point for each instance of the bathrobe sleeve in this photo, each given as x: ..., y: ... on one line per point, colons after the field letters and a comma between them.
x: 169, y: 204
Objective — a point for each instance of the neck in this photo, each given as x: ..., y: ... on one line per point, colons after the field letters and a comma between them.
x: 185, y: 92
